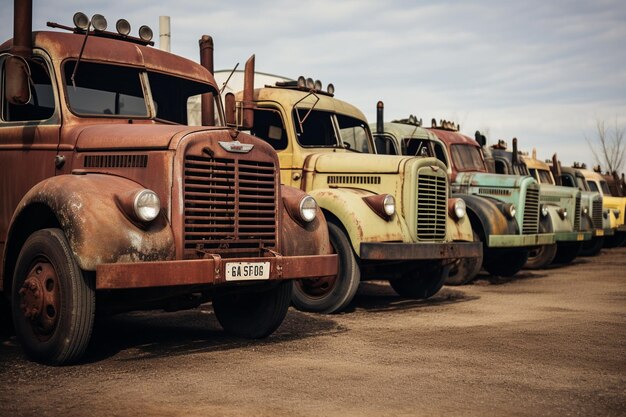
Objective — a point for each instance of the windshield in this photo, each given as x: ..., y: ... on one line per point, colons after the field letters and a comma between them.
x: 541, y: 175
x: 592, y: 186
x: 385, y: 145
x: 113, y: 90
x: 467, y: 158
x: 605, y: 188
x: 318, y: 130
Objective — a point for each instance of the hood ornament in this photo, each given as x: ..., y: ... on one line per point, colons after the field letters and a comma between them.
x: 236, y: 146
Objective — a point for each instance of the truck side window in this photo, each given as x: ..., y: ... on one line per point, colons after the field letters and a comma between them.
x: 41, y: 104
x: 567, y: 181
x: 317, y: 129
x: 501, y: 167
x: 171, y: 96
x: 385, y: 145
x: 354, y: 133
x: 268, y: 125
x: 593, y: 186
x: 440, y: 153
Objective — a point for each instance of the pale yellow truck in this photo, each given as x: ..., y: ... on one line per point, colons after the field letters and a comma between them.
x: 389, y: 217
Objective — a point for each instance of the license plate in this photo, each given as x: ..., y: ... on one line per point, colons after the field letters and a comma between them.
x: 580, y: 236
x: 599, y: 232
x: 242, y: 271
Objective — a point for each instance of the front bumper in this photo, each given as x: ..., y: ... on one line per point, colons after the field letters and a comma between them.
x: 209, y: 271
x: 603, y: 232
x: 392, y: 251
x: 510, y: 241
x: 621, y: 228
x: 573, y: 236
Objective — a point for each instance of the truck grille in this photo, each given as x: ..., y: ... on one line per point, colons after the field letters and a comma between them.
x: 431, y: 207
x: 577, y: 215
x: 531, y: 212
x: 230, y: 205
x: 596, y: 214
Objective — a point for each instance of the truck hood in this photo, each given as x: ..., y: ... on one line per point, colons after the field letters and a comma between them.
x: 482, y: 179
x: 129, y: 136
x: 349, y: 162
x: 557, y: 191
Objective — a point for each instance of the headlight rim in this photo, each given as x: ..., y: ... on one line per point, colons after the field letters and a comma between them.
x: 137, y: 210
x: 301, y: 209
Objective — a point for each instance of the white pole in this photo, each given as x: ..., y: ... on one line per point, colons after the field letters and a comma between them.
x: 164, y: 33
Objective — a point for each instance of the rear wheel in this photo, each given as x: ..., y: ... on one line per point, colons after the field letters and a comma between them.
x: 505, y: 262
x: 331, y: 295
x: 53, y: 302
x: 567, y: 252
x: 592, y: 247
x: 253, y: 315
x: 464, y: 270
x: 422, y: 283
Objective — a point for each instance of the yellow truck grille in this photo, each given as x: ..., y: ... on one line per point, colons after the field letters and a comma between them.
x: 230, y: 205
x: 431, y: 207
x: 530, y: 224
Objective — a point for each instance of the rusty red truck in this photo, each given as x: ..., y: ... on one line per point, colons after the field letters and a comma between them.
x: 112, y: 203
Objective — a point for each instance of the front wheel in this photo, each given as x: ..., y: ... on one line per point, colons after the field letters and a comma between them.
x: 592, y: 247
x: 567, y: 252
x: 541, y: 257
x: 330, y: 295
x: 421, y: 284
x: 505, y: 262
x: 464, y: 270
x: 254, y: 314
x: 52, y: 301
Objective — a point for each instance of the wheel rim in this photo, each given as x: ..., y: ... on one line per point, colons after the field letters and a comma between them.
x: 318, y: 287
x: 40, y: 299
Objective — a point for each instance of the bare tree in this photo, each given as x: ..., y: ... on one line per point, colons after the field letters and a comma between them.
x: 608, y: 147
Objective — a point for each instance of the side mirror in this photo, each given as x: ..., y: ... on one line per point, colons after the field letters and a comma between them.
x: 230, y: 110
x: 17, y: 80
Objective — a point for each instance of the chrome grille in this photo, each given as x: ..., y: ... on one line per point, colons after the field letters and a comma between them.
x: 230, y: 205
x: 531, y: 212
x: 596, y: 213
x: 431, y: 207
x: 577, y: 215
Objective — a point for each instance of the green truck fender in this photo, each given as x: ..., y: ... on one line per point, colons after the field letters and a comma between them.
x: 91, y: 212
x: 487, y: 217
x: 557, y: 224
x: 361, y: 223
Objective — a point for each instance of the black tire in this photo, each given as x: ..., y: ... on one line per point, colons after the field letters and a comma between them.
x: 615, y: 241
x: 465, y: 270
x: 592, y: 247
x: 505, y: 262
x: 53, y: 301
x: 541, y: 256
x: 255, y: 314
x: 331, y: 295
x: 567, y: 252
x: 421, y: 284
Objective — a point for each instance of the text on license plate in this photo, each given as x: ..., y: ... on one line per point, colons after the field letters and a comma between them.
x: 240, y: 271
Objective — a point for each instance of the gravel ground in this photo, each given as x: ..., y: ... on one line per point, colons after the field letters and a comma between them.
x: 547, y: 343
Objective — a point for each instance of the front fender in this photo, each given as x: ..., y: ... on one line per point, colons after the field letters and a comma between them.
x: 487, y: 218
x: 557, y: 225
x: 299, y: 238
x: 87, y: 208
x: 360, y: 222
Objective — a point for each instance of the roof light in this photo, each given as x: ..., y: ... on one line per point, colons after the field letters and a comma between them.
x: 81, y: 21
x: 301, y: 82
x: 145, y: 33
x: 318, y: 85
x: 123, y: 27
x: 310, y: 84
x: 98, y: 22
x: 330, y: 89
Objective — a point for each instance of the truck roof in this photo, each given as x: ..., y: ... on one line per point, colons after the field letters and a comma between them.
x: 453, y: 137
x: 62, y: 45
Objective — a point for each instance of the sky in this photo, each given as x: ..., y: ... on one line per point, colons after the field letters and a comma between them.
x: 542, y: 71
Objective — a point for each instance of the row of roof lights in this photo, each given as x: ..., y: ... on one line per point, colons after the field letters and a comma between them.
x: 314, y: 85
x: 99, y: 24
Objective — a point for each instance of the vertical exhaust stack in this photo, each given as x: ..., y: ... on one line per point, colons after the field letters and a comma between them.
x: 248, y: 94
x: 165, y: 33
x: 556, y: 169
x: 206, y: 60
x: 380, y: 120
x: 17, y: 90
x: 514, y: 157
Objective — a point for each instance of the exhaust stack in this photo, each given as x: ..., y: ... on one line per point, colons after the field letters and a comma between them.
x: 556, y: 169
x: 380, y: 108
x: 206, y: 60
x: 514, y: 157
x: 248, y: 95
x: 17, y: 90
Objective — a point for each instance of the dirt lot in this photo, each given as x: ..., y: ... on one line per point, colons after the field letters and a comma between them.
x: 546, y: 343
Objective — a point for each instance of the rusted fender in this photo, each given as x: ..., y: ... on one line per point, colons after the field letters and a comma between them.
x: 360, y: 222
x: 487, y: 218
x: 300, y: 238
x: 89, y: 210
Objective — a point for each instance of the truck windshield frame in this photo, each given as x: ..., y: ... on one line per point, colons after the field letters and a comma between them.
x: 113, y: 90
x: 467, y: 158
x: 325, y: 129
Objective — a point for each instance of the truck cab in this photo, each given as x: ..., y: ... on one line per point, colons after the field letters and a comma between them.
x: 561, y: 208
x: 111, y: 202
x: 389, y: 216
x: 503, y: 210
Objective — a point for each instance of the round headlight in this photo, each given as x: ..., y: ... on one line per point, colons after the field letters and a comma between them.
x: 459, y: 208
x: 510, y: 210
x: 389, y: 205
x: 123, y: 27
x: 544, y: 210
x: 585, y: 210
x: 308, y: 209
x: 81, y: 20
x: 562, y: 213
x: 145, y: 33
x: 146, y: 205
x: 98, y: 22
x: 616, y: 213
